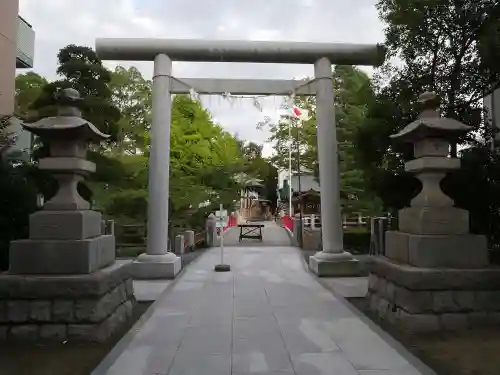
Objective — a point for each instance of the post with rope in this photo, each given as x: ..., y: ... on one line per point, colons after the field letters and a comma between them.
x: 222, y: 221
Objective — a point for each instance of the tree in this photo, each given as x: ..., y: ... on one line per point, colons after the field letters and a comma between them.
x: 353, y: 91
x: 132, y: 95
x: 81, y: 69
x: 17, y: 197
x: 447, y: 47
x: 256, y: 166
x: 204, y: 158
x: 29, y: 87
x: 303, y: 139
x: 440, y: 43
x: 200, y: 147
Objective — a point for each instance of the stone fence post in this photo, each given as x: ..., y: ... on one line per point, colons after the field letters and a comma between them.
x: 210, y: 231
x: 179, y: 244
x: 189, y: 238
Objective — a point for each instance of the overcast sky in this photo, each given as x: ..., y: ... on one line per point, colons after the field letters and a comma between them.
x: 58, y: 23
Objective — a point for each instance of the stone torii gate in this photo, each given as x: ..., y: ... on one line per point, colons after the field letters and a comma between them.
x: 157, y: 262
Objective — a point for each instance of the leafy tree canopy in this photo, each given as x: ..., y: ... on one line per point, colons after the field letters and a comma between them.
x: 450, y: 47
x: 81, y: 69
x: 353, y: 90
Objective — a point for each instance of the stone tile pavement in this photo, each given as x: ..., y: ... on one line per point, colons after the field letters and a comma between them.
x: 347, y: 287
x: 149, y: 290
x: 268, y: 316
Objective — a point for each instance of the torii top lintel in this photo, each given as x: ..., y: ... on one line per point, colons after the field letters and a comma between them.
x: 140, y: 49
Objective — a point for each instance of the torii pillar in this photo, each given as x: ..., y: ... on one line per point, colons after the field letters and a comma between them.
x: 158, y: 262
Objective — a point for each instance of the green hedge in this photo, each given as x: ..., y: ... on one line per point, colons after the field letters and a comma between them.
x: 17, y: 202
x: 357, y: 241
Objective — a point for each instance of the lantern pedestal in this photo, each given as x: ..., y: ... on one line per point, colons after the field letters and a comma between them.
x: 418, y: 299
x: 85, y: 307
x: 432, y: 251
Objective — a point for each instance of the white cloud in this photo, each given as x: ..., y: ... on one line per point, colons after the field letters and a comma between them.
x: 58, y: 23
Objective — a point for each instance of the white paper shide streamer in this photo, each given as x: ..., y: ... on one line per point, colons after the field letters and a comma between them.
x: 288, y: 105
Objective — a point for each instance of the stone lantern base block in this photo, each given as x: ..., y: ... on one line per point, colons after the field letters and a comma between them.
x: 164, y: 266
x: 429, y: 300
x: 455, y: 251
x: 65, y: 225
x: 52, y: 257
x: 324, y: 267
x: 74, y: 307
x: 433, y: 220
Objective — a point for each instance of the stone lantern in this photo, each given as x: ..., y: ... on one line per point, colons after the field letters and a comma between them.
x: 436, y: 232
x: 68, y: 136
x: 435, y: 274
x: 67, y: 216
x: 63, y: 281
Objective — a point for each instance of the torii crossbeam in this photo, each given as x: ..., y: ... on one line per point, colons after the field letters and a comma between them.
x: 157, y: 262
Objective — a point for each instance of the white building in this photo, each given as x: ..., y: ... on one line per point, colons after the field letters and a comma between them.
x: 17, y: 47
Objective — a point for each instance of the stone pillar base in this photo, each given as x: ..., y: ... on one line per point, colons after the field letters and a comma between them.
x: 163, y: 266
x: 334, y: 265
x: 429, y: 300
x: 78, y: 307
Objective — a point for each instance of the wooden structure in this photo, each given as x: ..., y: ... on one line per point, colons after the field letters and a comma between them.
x: 307, y: 203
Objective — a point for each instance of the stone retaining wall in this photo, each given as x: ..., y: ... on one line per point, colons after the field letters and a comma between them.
x: 426, y: 300
x: 84, y: 307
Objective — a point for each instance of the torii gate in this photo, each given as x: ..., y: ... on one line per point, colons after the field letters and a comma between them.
x: 157, y: 262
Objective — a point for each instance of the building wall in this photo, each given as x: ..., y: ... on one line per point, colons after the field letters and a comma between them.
x: 8, y: 49
x: 25, y: 44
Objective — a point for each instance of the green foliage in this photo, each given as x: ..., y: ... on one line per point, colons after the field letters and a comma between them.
x: 476, y: 188
x: 353, y: 91
x: 29, y: 87
x: 17, y: 197
x: 6, y: 138
x: 448, y: 47
x: 258, y: 167
x: 132, y: 95
x: 357, y: 241
x: 203, y: 157
x: 81, y: 69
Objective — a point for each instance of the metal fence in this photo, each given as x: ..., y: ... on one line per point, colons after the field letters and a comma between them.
x: 378, y: 227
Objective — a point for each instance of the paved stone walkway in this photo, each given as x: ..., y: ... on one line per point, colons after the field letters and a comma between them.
x: 268, y: 316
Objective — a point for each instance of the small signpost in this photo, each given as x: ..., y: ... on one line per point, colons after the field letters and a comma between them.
x: 221, y: 222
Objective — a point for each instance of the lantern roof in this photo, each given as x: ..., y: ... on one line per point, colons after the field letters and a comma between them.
x: 430, y: 124
x: 68, y: 124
